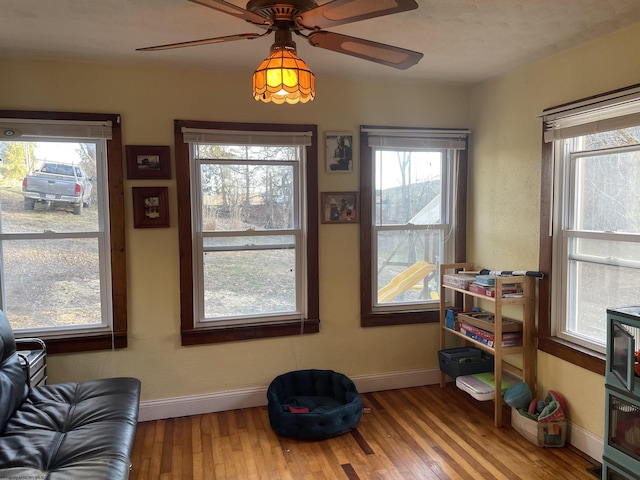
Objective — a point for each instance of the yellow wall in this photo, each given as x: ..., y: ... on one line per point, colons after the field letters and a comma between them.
x: 149, y: 99
x: 504, y: 196
x: 503, y: 208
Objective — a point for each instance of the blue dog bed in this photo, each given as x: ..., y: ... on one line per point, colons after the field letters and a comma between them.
x: 313, y: 404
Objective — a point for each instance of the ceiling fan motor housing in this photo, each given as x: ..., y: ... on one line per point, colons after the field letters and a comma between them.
x: 281, y: 11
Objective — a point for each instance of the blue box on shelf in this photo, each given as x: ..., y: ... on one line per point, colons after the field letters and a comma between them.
x: 464, y: 361
x: 450, y: 319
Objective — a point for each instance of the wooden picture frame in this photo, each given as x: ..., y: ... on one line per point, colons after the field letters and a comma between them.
x: 150, y: 207
x: 339, y: 207
x: 339, y: 152
x: 148, y: 162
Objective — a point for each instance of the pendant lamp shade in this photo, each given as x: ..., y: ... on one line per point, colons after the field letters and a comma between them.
x: 284, y: 77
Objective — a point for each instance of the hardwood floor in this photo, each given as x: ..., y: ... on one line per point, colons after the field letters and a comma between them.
x: 413, y: 433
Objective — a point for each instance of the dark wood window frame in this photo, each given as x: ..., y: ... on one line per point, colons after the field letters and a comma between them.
x: 547, y: 342
x: 118, y: 337
x: 195, y: 336
x: 369, y: 318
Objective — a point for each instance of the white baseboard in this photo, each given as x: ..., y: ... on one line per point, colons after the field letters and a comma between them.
x: 199, y: 404
x: 585, y: 441
x: 255, y: 397
x: 580, y: 438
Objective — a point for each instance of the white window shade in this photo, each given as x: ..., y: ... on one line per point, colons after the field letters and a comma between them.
x: 610, y: 112
x: 227, y: 137
x: 11, y: 128
x: 455, y: 139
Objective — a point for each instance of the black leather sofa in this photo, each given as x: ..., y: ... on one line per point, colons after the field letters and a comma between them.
x: 67, y: 431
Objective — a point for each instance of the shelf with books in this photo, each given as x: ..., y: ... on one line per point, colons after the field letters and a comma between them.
x: 481, y: 329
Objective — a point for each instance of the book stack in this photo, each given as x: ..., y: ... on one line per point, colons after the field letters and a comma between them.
x: 460, y: 280
x: 508, y: 289
x: 509, y: 339
x: 480, y: 327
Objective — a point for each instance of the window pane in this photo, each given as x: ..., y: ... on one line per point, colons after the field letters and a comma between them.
x: 48, y: 186
x: 408, y: 187
x: 255, y: 282
x: 240, y: 197
x: 606, y: 251
x: 246, y: 152
x: 601, y: 140
x: 249, y: 242
x: 608, y: 199
x: 52, y: 283
x: 603, y: 274
x: 406, y: 265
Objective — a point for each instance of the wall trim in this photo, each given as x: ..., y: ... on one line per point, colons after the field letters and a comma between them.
x: 257, y: 396
x: 585, y: 441
x: 577, y: 436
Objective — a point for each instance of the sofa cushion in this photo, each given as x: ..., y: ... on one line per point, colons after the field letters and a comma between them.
x: 13, y: 380
x: 72, y: 431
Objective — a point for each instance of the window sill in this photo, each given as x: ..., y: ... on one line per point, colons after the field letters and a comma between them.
x: 580, y: 356
x: 397, y: 318
x: 85, y: 343
x: 248, y: 332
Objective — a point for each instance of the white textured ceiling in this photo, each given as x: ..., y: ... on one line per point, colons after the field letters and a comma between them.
x: 462, y: 40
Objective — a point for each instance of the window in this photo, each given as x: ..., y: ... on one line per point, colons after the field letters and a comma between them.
x: 248, y: 215
x: 593, y: 156
x: 413, y: 187
x: 62, y: 265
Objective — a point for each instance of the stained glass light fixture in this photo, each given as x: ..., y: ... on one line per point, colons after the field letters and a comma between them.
x: 283, y: 76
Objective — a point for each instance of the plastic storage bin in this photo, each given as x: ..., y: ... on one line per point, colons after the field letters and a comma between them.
x: 464, y: 361
x: 481, y: 386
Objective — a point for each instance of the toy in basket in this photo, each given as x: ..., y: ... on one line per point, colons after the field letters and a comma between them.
x: 541, y: 422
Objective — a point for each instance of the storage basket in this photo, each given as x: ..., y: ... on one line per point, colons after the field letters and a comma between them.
x: 549, y: 434
x: 464, y: 361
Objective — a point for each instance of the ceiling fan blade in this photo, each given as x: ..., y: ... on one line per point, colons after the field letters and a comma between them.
x: 204, y: 41
x: 340, y: 12
x: 231, y: 9
x: 391, y: 56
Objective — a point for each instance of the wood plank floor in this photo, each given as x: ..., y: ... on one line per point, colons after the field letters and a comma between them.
x: 413, y: 433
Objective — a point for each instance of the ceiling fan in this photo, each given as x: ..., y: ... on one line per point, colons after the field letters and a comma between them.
x: 285, y: 17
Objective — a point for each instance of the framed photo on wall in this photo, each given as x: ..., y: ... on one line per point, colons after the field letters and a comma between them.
x: 150, y: 207
x: 339, y: 152
x: 148, y: 162
x: 339, y: 207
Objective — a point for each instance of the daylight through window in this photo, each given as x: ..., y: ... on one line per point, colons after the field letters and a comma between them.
x: 596, y: 220
x: 250, y: 235
x: 411, y: 214
x: 55, y: 243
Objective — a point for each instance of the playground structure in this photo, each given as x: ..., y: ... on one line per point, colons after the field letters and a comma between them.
x: 417, y: 243
x: 405, y: 280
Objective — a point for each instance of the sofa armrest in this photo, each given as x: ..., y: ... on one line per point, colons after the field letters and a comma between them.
x: 31, y: 343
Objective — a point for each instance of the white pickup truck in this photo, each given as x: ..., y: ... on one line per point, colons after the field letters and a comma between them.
x: 58, y: 183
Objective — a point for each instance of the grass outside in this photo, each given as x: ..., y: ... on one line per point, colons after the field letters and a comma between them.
x: 56, y: 282
x: 49, y: 282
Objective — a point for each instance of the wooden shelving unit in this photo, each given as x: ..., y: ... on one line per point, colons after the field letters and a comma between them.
x: 527, y: 372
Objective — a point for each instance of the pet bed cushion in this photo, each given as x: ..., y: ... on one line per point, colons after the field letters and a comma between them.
x: 313, y: 404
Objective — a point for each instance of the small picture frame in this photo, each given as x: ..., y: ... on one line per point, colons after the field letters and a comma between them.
x: 339, y: 152
x: 148, y: 162
x: 150, y: 207
x: 339, y: 207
